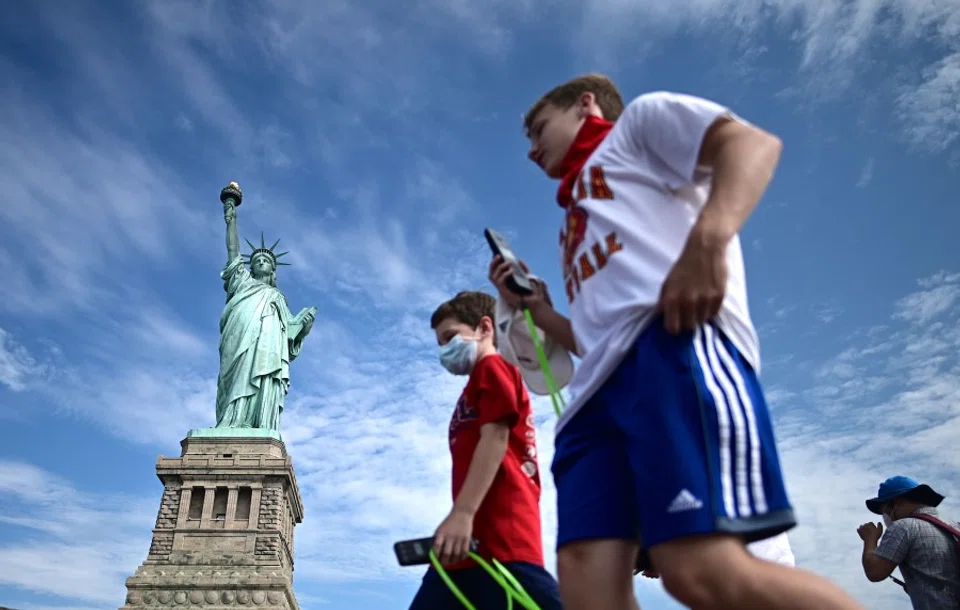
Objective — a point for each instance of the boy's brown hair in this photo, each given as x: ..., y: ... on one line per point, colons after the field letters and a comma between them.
x: 566, y: 95
x: 467, y: 307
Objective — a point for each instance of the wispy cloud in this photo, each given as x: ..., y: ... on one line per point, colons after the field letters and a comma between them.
x: 16, y: 363
x: 82, y: 232
x: 939, y: 294
x: 835, y: 41
x: 866, y: 173
x: 71, y: 544
x: 929, y: 108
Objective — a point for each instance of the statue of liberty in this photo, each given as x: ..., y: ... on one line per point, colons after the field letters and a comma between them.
x: 259, y: 336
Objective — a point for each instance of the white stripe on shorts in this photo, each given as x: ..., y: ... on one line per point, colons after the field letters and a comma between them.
x: 723, y: 425
x: 756, y: 474
x: 737, y: 433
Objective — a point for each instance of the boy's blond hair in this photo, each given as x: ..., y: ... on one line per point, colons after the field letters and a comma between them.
x: 566, y: 95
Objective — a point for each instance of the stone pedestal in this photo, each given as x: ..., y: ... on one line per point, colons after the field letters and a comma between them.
x: 224, y: 532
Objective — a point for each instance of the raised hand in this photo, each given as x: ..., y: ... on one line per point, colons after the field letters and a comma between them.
x: 229, y: 212
x: 870, y: 532
x: 498, y: 273
x: 233, y: 239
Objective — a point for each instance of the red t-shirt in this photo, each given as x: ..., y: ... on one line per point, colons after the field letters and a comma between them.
x: 507, y: 524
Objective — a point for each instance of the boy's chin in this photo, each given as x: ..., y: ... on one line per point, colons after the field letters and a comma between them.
x: 553, y: 172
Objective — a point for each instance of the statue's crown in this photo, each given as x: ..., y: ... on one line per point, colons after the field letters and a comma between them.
x: 263, y: 249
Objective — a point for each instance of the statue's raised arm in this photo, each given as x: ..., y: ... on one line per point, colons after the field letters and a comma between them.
x: 231, y: 197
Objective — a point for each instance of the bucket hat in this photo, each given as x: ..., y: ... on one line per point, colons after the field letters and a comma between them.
x: 902, y: 486
x: 516, y: 346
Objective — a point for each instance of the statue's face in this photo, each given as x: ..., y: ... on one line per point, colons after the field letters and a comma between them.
x: 261, y: 266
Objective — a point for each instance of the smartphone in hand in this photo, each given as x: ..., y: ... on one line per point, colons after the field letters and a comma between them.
x: 518, y: 282
x: 417, y: 551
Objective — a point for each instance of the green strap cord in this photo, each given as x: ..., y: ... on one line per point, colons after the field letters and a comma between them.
x: 558, y: 403
x: 501, y: 575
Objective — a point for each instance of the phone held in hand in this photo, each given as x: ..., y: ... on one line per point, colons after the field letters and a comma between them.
x: 417, y: 551
x: 517, y: 282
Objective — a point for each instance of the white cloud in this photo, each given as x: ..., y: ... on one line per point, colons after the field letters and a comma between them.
x: 866, y: 173
x: 836, y: 40
x: 79, y: 546
x: 929, y: 109
x: 940, y: 293
x: 84, y: 204
x: 828, y: 312
x: 16, y: 363
x: 144, y: 376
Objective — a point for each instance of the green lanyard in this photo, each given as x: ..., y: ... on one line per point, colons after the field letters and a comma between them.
x: 558, y: 402
x: 501, y: 575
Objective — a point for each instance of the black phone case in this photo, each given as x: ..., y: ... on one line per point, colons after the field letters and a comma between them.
x: 417, y: 551
x: 518, y: 282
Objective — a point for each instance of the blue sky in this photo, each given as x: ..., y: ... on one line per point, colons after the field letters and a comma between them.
x: 378, y: 143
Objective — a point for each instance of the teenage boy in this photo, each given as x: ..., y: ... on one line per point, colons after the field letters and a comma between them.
x: 496, y: 480
x: 666, y: 438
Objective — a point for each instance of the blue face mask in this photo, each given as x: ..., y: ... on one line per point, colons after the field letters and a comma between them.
x: 459, y: 355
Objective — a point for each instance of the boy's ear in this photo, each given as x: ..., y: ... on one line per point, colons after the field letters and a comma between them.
x: 487, y: 325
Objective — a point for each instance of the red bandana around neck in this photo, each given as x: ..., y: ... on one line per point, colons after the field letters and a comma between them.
x: 590, y: 135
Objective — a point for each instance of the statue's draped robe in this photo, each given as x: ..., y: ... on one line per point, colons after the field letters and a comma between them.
x: 257, y: 342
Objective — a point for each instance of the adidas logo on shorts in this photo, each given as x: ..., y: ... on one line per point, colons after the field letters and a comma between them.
x: 683, y: 502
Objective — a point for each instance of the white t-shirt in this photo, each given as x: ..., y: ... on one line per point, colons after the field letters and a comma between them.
x: 776, y: 549
x: 639, y: 195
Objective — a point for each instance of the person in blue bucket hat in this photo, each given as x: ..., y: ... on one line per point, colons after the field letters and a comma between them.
x: 902, y: 487
x: 918, y: 540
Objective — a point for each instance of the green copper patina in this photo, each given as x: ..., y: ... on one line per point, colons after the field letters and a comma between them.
x: 259, y: 336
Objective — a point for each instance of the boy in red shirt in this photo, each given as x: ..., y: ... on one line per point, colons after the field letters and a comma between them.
x: 496, y: 480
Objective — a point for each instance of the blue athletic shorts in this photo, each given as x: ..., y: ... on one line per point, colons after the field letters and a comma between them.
x: 482, y: 590
x: 677, y: 442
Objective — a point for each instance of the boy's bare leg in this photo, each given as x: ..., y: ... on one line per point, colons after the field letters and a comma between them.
x: 597, y: 575
x: 718, y: 573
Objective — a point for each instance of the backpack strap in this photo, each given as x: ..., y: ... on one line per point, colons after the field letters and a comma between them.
x: 943, y: 525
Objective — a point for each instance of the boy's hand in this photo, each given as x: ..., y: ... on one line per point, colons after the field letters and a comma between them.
x: 498, y: 273
x: 694, y: 289
x: 452, y: 539
x: 870, y: 532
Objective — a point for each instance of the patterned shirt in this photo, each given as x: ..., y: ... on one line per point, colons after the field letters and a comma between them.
x: 927, y: 557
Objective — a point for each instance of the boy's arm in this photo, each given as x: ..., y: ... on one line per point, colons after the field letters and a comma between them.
x: 881, y: 556
x: 690, y: 135
x: 486, y: 460
x: 743, y: 159
x: 548, y: 319
x: 875, y: 567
